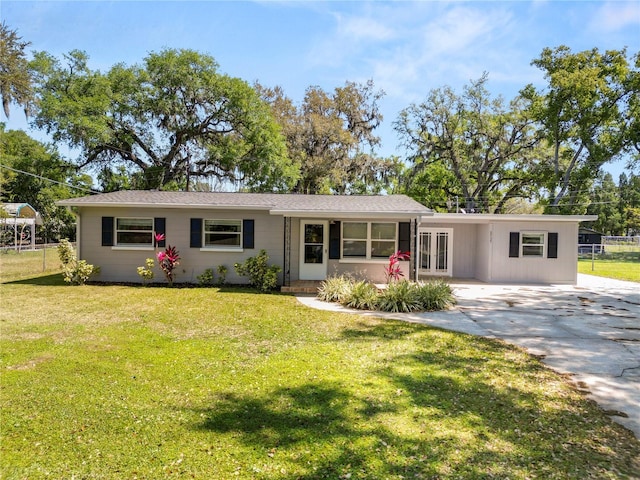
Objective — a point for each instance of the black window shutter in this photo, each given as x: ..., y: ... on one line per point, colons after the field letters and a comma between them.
x: 196, y: 233
x: 107, y: 231
x: 159, y: 227
x: 552, y: 248
x: 248, y: 233
x: 514, y: 244
x: 334, y: 240
x: 404, y: 236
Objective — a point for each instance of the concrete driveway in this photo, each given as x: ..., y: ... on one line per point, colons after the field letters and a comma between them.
x: 590, y: 331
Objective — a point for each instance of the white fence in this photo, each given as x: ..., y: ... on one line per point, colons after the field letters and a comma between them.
x: 612, y: 240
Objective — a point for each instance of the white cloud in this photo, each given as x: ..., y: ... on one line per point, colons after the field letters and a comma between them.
x: 458, y: 30
x: 447, y: 46
x: 360, y: 29
x: 615, y: 16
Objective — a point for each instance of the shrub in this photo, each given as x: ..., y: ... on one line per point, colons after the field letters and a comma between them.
x: 74, y: 271
x: 206, y: 278
x: 146, y: 272
x: 400, y: 296
x: 66, y: 252
x: 362, y: 295
x: 222, y: 274
x: 435, y: 295
x: 262, y: 276
x: 335, y: 288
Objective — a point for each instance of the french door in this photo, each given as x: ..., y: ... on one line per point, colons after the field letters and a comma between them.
x: 435, y: 251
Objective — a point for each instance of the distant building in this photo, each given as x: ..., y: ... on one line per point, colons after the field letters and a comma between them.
x: 588, y: 237
x: 18, y: 225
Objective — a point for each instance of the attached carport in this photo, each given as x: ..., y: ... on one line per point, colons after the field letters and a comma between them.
x: 500, y: 248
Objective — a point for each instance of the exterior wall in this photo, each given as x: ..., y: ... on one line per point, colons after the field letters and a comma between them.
x: 120, y: 264
x: 464, y: 248
x: 535, y: 270
x: 372, y: 270
x: 483, y: 252
x: 464, y: 251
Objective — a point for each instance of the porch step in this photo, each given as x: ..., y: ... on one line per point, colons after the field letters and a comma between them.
x: 302, y: 286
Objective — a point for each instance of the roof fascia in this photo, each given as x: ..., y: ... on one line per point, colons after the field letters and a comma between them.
x: 491, y: 218
x: 205, y: 206
x: 343, y: 214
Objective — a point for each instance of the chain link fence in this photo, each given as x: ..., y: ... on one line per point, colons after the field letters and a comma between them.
x: 612, y: 249
x: 18, y: 262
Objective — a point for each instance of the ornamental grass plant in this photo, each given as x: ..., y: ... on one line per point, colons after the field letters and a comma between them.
x: 335, y: 288
x: 396, y: 297
x: 362, y: 295
x: 435, y: 295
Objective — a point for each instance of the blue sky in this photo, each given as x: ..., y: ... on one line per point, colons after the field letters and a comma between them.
x: 406, y: 48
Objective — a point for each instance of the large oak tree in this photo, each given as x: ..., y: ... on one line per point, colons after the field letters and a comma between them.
x: 171, y: 119
x: 331, y: 136
x: 470, y: 147
x: 15, y: 76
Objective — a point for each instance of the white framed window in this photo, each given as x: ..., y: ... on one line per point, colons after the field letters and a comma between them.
x: 134, y: 232
x: 532, y: 244
x: 222, y: 234
x: 370, y: 240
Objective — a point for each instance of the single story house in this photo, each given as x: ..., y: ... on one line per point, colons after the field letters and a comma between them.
x: 314, y: 236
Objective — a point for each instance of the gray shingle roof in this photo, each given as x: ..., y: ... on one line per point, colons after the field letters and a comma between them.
x: 285, y: 204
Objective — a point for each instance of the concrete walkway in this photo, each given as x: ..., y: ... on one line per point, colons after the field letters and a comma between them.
x: 591, y: 331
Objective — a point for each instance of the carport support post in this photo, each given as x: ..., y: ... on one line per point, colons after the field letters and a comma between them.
x: 593, y: 257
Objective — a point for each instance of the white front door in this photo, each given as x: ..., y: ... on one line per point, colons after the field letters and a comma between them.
x: 435, y: 252
x: 314, y: 235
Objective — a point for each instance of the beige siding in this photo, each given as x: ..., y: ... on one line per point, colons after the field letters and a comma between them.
x: 464, y: 248
x: 464, y: 251
x: 372, y: 270
x: 537, y: 270
x: 483, y: 252
x: 120, y: 265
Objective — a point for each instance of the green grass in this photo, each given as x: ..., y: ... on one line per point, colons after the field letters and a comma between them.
x: 101, y: 382
x: 621, y: 266
x: 16, y: 265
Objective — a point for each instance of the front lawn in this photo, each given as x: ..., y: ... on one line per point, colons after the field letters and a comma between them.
x: 134, y: 382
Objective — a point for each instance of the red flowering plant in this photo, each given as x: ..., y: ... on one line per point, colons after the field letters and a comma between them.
x: 168, y: 259
x: 393, y: 270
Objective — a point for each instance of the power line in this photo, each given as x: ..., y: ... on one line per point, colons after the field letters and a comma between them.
x: 49, y: 179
